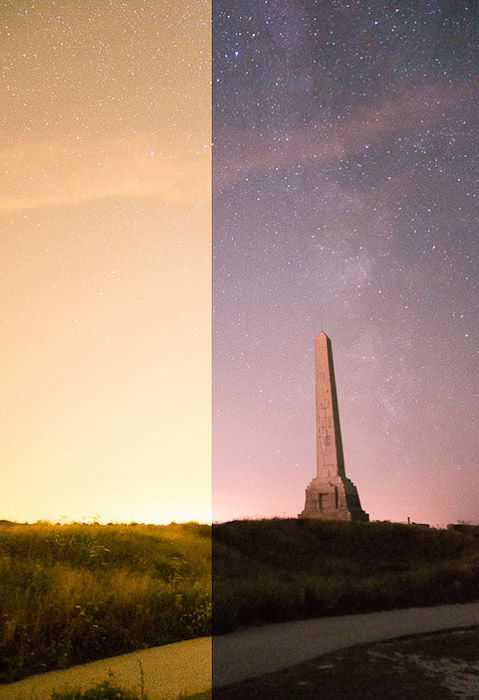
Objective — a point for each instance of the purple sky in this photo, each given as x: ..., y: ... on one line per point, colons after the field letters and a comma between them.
x: 345, y: 198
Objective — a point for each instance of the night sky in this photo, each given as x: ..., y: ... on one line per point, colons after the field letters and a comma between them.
x: 346, y: 199
x: 105, y: 251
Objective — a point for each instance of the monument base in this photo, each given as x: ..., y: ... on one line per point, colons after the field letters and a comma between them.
x: 334, y: 499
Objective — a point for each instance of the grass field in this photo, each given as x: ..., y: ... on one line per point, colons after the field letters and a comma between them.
x: 74, y: 593
x: 276, y: 570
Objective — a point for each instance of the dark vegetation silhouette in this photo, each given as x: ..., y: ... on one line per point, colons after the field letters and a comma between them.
x: 107, y: 691
x: 276, y: 570
x: 100, y: 691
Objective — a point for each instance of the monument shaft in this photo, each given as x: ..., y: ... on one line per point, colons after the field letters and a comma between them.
x: 330, y: 495
x: 329, y: 446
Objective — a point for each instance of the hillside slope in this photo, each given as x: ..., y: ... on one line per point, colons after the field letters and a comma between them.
x: 274, y: 570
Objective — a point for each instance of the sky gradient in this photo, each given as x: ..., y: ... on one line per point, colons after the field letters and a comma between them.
x: 105, y: 235
x: 345, y: 198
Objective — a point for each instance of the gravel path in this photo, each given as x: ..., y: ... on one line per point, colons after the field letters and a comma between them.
x: 254, y: 652
x: 185, y: 667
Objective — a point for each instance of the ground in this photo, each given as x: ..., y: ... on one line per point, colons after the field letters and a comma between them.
x: 440, y: 666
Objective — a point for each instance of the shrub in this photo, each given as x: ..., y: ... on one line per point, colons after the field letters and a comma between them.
x: 101, y: 691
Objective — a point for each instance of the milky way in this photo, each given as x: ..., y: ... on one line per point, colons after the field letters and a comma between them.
x: 345, y: 198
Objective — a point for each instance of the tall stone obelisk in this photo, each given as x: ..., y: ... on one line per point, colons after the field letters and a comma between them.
x: 330, y: 495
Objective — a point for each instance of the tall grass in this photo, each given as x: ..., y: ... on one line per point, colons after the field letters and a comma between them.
x: 74, y: 593
x: 273, y: 570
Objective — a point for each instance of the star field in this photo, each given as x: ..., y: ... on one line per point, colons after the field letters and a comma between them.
x: 105, y: 199
x: 346, y: 198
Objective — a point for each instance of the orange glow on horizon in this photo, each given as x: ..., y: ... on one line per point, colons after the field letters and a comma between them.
x: 106, y: 224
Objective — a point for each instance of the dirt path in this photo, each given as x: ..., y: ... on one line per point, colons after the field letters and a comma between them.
x: 185, y: 667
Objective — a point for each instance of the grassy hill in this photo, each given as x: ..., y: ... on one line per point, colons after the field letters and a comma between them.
x: 273, y: 570
x: 74, y: 593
